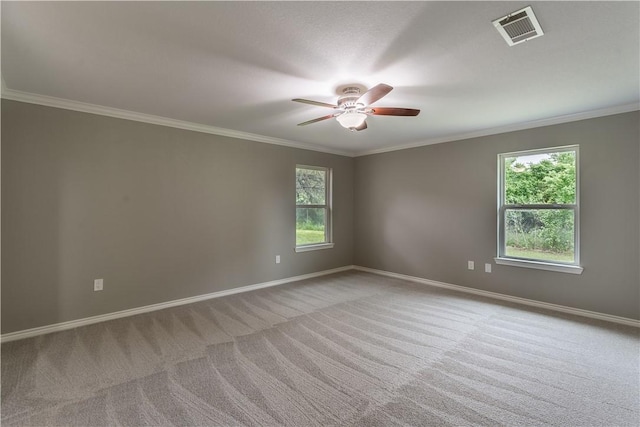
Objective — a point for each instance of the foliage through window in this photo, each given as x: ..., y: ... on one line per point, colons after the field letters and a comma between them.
x: 313, y: 215
x: 538, y: 205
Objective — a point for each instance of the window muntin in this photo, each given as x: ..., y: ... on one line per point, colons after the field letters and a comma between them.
x: 313, y: 207
x: 538, y: 210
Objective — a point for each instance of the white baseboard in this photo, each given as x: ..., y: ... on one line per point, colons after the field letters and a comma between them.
x: 517, y: 300
x: 56, y: 327
x: 27, y: 333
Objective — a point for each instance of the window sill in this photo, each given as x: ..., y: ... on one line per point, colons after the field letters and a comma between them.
x: 539, y: 265
x: 307, y: 248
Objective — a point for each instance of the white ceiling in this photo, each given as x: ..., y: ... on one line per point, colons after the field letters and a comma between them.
x: 237, y: 65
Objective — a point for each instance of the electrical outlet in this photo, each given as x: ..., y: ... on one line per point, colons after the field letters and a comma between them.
x: 487, y: 268
x: 277, y: 259
x: 98, y: 284
x: 470, y: 265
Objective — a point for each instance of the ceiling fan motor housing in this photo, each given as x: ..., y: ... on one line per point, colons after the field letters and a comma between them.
x: 349, y: 97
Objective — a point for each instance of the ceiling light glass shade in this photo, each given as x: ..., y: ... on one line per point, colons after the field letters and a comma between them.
x: 351, y: 119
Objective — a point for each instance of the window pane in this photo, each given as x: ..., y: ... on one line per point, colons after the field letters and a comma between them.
x: 541, y: 178
x: 310, y: 186
x: 540, y: 234
x: 310, y: 226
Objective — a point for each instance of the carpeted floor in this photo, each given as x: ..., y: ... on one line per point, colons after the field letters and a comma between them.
x: 347, y: 349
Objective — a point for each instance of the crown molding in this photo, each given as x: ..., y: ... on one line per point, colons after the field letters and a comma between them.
x: 619, y: 109
x: 84, y: 107
x: 50, y: 101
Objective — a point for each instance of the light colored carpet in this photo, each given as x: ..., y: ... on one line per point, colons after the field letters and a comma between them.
x: 347, y: 349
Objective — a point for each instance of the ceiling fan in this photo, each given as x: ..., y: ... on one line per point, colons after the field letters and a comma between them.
x: 353, y: 108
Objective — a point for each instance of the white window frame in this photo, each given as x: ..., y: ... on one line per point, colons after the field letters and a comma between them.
x: 327, y: 206
x: 501, y: 257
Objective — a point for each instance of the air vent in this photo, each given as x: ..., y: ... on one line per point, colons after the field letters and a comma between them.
x: 519, y: 26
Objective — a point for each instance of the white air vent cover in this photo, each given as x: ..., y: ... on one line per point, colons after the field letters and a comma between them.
x: 519, y: 26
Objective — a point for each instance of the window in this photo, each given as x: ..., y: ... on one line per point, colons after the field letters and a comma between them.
x: 313, y: 208
x: 538, y: 210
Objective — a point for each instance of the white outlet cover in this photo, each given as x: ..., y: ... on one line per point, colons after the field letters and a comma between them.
x: 470, y: 265
x: 487, y: 268
x: 98, y: 284
x: 277, y: 259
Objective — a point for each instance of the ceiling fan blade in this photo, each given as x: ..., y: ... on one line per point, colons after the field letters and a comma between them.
x: 316, y: 103
x: 374, y: 94
x: 319, y: 119
x: 363, y: 126
x: 389, y: 111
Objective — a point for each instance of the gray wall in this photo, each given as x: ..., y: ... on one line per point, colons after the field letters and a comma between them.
x: 159, y: 213
x: 163, y: 213
x: 426, y: 211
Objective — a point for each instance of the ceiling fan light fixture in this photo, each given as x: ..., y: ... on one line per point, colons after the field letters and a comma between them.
x: 351, y: 119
